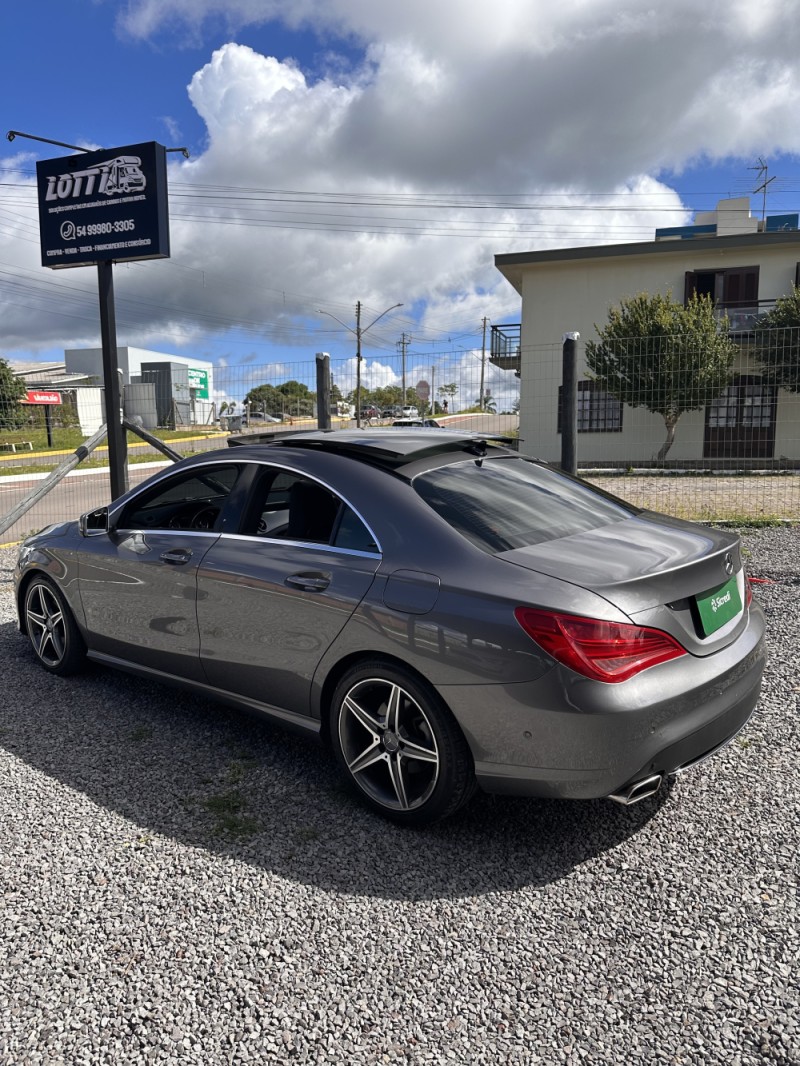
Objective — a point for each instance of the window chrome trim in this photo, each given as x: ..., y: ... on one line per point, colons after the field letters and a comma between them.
x: 163, y: 530
x: 330, y: 488
x: 253, y: 538
x: 253, y: 461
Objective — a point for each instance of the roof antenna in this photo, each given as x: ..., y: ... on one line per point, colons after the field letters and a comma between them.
x: 763, y: 170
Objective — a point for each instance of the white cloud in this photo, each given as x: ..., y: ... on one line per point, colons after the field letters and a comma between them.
x: 575, y: 108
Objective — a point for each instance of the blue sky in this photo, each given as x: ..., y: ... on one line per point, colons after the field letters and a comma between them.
x: 343, y: 150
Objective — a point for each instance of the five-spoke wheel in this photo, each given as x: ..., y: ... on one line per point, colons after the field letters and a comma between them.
x: 399, y: 746
x: 51, y: 628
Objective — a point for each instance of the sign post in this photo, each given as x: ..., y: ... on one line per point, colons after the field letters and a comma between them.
x: 117, y: 437
x: 46, y: 398
x: 101, y: 208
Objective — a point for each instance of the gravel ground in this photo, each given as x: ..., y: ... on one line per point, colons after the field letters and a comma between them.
x: 729, y: 498
x: 184, y: 885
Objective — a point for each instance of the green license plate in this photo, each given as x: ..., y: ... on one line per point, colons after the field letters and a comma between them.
x: 718, y: 606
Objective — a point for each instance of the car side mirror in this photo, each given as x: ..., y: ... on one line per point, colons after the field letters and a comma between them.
x: 94, y: 522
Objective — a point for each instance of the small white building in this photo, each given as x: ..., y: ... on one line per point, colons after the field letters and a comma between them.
x: 159, y: 389
x: 742, y: 262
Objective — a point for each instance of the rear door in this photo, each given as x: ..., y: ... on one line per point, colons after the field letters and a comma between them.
x: 273, y: 597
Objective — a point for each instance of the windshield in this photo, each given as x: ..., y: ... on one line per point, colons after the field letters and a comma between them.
x: 501, y: 504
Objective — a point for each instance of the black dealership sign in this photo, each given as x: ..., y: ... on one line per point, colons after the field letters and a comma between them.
x: 107, y: 206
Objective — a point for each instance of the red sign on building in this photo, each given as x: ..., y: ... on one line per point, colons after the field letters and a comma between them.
x: 42, y: 396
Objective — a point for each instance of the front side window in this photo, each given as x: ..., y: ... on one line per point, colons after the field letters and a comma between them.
x: 503, y: 504
x: 186, y: 501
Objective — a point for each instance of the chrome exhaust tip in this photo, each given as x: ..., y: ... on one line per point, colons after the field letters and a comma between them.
x: 638, y: 790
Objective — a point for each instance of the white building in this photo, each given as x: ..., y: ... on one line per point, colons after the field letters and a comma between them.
x: 160, y: 389
x: 744, y: 263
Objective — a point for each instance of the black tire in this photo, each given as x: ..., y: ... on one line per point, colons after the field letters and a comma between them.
x: 51, y: 628
x: 398, y: 746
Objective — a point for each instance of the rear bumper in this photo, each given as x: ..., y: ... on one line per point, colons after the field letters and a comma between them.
x: 566, y: 737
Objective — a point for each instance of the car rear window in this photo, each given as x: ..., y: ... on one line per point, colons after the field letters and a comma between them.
x: 501, y: 504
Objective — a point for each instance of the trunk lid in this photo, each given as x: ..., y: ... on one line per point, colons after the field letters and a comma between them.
x: 653, y: 568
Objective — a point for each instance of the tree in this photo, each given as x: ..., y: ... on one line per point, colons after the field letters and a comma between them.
x: 656, y: 353
x: 446, y: 391
x: 777, y: 342
x: 12, y: 390
x: 291, y: 397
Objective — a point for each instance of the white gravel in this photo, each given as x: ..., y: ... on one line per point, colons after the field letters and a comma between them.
x: 136, y: 928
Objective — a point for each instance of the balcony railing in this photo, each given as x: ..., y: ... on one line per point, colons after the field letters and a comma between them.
x: 505, y: 350
x: 743, y: 317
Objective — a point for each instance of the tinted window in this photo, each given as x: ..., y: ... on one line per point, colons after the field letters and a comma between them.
x: 291, y: 507
x: 186, y: 501
x: 502, y: 504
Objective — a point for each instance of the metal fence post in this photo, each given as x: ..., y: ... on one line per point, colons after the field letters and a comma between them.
x: 569, y: 403
x: 323, y: 390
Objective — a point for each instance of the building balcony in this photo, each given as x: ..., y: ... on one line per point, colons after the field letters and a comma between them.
x: 743, y: 316
x: 505, y: 349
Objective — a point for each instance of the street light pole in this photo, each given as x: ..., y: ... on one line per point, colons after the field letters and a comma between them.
x: 359, y: 333
x: 482, y: 394
x: 358, y: 364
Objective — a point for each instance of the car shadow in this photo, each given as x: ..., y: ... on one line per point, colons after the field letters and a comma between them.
x: 240, y: 787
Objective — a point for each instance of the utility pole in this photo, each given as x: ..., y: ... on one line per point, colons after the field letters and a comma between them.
x: 481, y: 397
x: 359, y: 333
x: 402, y: 344
x: 358, y: 364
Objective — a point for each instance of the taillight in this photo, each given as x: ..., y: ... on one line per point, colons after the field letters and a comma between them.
x: 604, y: 651
x: 749, y: 587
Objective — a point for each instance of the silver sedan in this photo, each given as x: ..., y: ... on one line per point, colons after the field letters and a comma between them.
x: 442, y: 612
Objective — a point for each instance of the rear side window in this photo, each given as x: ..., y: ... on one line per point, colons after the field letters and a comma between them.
x: 288, y: 506
x: 502, y: 504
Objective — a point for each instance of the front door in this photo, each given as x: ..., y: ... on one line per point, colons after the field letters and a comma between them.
x: 740, y: 423
x: 138, y: 581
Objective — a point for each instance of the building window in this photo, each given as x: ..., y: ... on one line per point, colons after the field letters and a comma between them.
x: 733, y: 292
x: 598, y: 411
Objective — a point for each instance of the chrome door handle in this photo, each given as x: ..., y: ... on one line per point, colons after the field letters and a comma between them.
x: 309, y: 582
x: 176, y: 556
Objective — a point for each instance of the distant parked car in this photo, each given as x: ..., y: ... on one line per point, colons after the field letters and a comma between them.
x: 256, y: 417
x: 409, y: 411
x: 423, y: 423
x: 370, y: 412
x: 395, y: 411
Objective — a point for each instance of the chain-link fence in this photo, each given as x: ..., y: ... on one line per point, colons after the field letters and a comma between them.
x: 671, y: 426
x: 663, y: 426
x: 197, y: 410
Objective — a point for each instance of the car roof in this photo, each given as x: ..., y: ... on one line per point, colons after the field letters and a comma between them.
x: 390, y: 447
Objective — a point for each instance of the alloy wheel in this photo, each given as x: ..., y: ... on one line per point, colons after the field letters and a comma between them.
x: 47, y: 626
x: 388, y: 744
